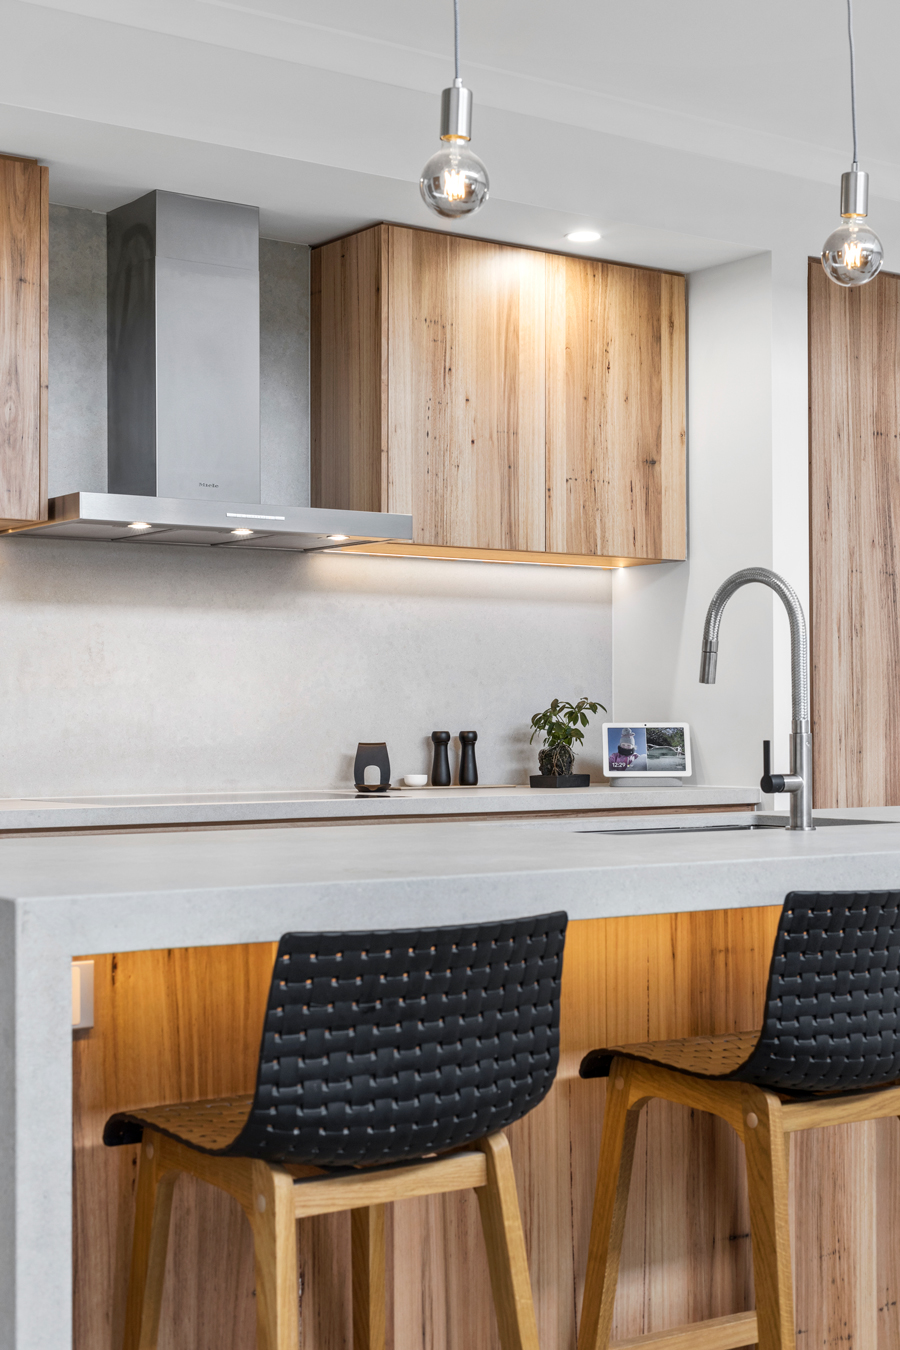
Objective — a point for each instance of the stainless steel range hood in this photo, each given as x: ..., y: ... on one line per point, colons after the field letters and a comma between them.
x: 183, y: 393
x: 121, y: 519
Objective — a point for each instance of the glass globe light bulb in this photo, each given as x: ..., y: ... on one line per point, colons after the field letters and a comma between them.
x: 454, y: 182
x: 852, y: 254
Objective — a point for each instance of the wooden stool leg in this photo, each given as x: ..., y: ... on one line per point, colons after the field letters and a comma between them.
x: 367, y: 1247
x: 767, y: 1179
x: 610, y: 1204
x: 504, y: 1239
x: 153, y: 1212
x: 270, y: 1210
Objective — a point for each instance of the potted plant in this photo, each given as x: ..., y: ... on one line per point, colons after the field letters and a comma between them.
x: 561, y: 725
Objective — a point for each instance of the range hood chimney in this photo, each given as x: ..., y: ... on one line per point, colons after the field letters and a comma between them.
x: 183, y: 348
x: 183, y: 393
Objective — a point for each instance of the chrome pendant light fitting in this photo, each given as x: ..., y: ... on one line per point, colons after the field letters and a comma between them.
x: 454, y: 182
x: 852, y: 254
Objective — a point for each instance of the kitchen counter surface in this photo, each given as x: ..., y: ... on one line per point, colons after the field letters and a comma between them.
x: 132, y: 891
x: 311, y: 804
x: 78, y: 895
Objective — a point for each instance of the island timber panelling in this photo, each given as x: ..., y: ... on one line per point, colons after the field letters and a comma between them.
x: 24, y: 310
x: 178, y: 1025
x: 854, y: 440
x: 517, y: 404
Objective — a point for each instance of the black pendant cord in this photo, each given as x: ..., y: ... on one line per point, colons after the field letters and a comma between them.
x: 456, y: 35
x: 852, y: 73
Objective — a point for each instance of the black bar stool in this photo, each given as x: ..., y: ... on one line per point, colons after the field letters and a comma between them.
x: 390, y: 1064
x: 828, y: 1049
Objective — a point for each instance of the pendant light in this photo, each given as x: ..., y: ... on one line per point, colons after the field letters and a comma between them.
x: 454, y: 182
x: 853, y: 254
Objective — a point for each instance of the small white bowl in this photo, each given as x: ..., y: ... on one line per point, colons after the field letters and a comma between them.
x: 416, y: 779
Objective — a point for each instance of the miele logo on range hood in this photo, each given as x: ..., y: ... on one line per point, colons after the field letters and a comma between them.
x: 183, y: 393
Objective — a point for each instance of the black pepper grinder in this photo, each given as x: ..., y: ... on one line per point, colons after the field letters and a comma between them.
x: 468, y: 769
x: 440, y: 771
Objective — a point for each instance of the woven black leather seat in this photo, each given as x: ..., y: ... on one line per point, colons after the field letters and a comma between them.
x: 828, y: 1050
x: 378, y: 1048
x: 832, y: 1016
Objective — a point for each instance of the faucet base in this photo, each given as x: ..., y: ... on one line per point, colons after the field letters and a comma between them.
x: 801, y: 767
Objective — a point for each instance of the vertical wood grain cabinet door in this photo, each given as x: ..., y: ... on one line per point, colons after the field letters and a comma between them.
x: 509, y: 400
x: 615, y: 410
x: 348, y: 370
x: 854, y: 436
x: 24, y: 237
x: 466, y: 382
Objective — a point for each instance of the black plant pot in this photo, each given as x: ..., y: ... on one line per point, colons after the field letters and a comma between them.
x: 556, y: 760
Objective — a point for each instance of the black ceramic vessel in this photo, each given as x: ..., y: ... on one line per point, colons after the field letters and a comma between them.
x: 561, y: 780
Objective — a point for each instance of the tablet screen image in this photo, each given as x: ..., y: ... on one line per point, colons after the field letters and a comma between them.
x: 649, y: 748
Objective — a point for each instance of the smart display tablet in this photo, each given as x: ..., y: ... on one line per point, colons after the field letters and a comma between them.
x: 648, y: 749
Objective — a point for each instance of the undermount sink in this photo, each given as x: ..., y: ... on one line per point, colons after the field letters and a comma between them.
x: 769, y: 823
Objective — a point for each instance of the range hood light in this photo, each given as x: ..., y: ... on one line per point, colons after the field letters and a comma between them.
x: 139, y: 525
x: 338, y: 538
x: 242, y: 533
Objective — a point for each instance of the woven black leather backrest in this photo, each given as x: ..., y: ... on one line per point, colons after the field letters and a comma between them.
x: 832, y: 1006
x: 390, y: 1045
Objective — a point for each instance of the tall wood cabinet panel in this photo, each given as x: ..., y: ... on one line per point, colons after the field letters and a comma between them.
x: 615, y: 410
x: 854, y: 425
x: 24, y: 296
x: 513, y: 402
x: 348, y: 373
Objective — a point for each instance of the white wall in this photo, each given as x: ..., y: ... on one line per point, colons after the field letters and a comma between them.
x: 140, y: 668
x: 658, y: 612
x: 790, y: 466
x: 153, y: 669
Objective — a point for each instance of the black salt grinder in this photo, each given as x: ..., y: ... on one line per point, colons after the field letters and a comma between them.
x: 440, y: 770
x: 468, y: 769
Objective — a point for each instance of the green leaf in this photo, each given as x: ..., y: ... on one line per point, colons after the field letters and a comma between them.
x: 560, y: 722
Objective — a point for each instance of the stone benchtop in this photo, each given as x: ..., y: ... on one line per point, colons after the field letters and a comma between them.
x: 131, y: 891
x: 306, y: 805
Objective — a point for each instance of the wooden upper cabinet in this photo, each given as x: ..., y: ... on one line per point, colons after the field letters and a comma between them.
x: 24, y: 292
x: 465, y: 378
x: 513, y: 402
x: 615, y: 410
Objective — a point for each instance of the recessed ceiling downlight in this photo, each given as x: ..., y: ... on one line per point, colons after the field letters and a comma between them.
x: 583, y: 236
x: 139, y: 525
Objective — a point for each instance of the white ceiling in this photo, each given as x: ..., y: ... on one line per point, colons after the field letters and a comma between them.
x: 689, y: 134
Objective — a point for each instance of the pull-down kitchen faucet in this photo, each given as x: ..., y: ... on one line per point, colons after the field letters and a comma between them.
x: 799, y: 781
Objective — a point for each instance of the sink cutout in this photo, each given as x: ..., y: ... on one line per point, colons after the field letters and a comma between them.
x: 822, y: 822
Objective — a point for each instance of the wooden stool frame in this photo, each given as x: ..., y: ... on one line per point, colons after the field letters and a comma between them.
x: 763, y: 1121
x: 275, y: 1197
